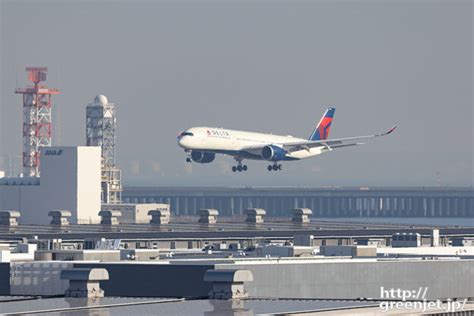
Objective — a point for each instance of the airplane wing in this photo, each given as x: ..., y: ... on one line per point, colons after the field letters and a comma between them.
x: 328, y: 143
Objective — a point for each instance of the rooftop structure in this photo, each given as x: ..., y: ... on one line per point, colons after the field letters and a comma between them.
x: 136, y: 213
x: 178, y: 229
x: 36, y: 197
x: 221, y: 264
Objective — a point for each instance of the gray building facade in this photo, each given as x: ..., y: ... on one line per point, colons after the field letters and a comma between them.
x: 325, y: 202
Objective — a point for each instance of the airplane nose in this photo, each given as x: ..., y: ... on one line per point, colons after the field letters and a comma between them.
x: 179, y: 138
x: 181, y: 141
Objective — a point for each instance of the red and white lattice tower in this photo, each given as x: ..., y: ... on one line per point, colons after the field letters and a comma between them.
x: 36, y: 119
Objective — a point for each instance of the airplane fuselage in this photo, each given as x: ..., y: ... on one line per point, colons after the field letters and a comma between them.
x: 240, y: 143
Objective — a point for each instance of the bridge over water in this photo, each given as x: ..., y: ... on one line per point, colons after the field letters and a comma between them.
x: 325, y: 202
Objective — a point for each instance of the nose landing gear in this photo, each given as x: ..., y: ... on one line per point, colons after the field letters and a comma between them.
x: 188, y: 155
x: 274, y: 167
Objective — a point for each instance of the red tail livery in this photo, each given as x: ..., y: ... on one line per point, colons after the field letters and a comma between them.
x: 324, y: 126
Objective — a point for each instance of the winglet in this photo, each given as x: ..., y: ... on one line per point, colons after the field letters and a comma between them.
x: 390, y: 131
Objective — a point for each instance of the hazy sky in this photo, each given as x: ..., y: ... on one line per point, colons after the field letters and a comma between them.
x: 270, y: 66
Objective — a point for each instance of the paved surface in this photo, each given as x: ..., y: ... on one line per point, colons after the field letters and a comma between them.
x: 152, y: 306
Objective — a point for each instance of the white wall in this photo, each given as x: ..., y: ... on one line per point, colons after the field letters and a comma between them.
x: 88, y: 185
x: 70, y: 180
x: 135, y: 213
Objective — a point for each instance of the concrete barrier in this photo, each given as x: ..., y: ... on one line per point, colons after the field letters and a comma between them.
x: 228, y: 284
x: 60, y: 217
x: 9, y: 218
x: 301, y: 215
x: 208, y: 216
x: 109, y: 217
x: 84, y: 282
x: 159, y: 217
x: 255, y: 215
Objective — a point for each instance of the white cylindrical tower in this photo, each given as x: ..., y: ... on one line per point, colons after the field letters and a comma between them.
x: 100, y: 131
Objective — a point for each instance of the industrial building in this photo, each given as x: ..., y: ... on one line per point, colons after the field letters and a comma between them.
x: 35, y: 197
x: 304, y: 278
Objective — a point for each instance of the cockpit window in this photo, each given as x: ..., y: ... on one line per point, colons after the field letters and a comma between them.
x: 187, y: 134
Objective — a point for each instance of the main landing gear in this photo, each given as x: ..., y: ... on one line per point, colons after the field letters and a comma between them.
x: 274, y: 167
x: 240, y: 167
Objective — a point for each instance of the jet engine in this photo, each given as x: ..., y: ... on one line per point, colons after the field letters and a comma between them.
x: 202, y: 157
x: 273, y: 153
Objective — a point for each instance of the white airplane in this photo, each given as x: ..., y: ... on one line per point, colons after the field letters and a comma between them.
x: 203, y: 143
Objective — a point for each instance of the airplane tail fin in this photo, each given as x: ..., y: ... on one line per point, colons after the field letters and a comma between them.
x: 321, y: 131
